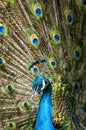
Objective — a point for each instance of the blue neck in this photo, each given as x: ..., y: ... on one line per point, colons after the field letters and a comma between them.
x: 44, y: 117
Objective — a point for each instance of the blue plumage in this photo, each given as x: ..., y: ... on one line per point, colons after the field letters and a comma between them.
x: 44, y: 117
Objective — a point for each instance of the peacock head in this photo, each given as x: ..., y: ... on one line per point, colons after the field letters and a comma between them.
x: 40, y: 83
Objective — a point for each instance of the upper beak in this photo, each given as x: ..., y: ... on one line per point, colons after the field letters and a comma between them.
x: 34, y: 93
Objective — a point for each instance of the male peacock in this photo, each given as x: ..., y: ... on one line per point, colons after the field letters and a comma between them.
x: 44, y: 119
x: 42, y: 50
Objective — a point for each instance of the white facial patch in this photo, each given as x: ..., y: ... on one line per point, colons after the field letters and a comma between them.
x: 43, y: 83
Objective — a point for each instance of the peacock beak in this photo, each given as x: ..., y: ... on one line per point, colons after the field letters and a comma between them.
x: 34, y: 93
x: 39, y: 89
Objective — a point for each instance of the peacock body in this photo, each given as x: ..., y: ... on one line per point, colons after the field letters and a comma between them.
x: 44, y: 117
x: 42, y: 65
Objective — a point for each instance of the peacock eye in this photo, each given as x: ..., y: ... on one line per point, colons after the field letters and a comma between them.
x: 9, y: 88
x: 77, y: 86
x: 3, y: 29
x: 11, y: 125
x: 23, y: 106
x: 77, y: 53
x: 65, y: 67
x: 2, y: 61
x: 69, y: 16
x: 56, y: 37
x: 37, y: 10
x: 52, y: 62
x: 34, y: 40
x: 35, y: 70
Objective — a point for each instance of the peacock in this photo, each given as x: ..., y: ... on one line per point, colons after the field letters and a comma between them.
x: 42, y: 64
